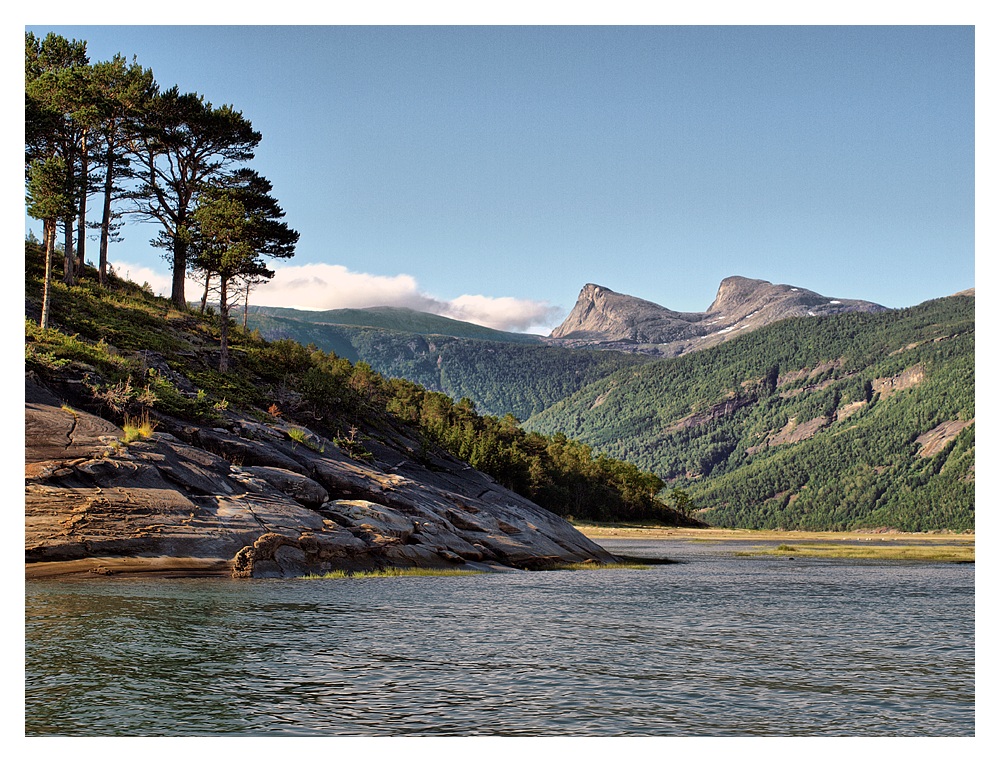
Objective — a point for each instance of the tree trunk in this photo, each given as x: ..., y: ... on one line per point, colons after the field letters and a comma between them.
x: 246, y: 305
x: 224, y: 327
x: 49, y: 233
x: 109, y: 181
x: 204, y: 296
x: 180, y: 269
x: 81, y: 225
x: 69, y: 263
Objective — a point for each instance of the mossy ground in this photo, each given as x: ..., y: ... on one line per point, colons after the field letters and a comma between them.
x: 594, y: 567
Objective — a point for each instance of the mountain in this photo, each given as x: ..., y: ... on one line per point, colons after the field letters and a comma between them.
x: 852, y: 420
x: 606, y: 319
x: 398, y: 319
x: 601, y: 315
x: 520, y: 376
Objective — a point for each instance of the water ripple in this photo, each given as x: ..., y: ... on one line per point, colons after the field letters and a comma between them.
x: 717, y: 646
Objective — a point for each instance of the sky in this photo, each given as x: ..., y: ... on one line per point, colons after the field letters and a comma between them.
x: 488, y: 172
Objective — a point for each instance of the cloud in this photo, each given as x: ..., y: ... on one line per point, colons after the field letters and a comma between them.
x: 158, y: 281
x: 327, y: 287
x: 505, y: 313
x: 330, y: 287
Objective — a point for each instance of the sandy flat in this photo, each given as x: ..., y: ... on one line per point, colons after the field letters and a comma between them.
x: 604, y: 532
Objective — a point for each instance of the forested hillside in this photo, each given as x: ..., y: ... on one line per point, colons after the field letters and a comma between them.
x: 136, y: 359
x: 500, y: 375
x: 855, y: 420
x: 389, y: 318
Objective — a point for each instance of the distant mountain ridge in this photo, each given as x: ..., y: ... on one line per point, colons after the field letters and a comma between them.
x: 602, y: 318
x: 523, y: 374
x: 400, y: 319
x: 858, y: 420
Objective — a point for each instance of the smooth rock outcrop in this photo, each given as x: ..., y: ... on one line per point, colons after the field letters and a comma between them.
x: 178, y: 503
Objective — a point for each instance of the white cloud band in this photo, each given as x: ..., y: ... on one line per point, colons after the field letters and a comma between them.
x: 329, y: 287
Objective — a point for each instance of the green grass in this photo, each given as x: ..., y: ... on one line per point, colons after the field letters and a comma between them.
x: 394, y: 572
x: 305, y: 438
x: 415, y: 572
x: 137, y: 428
x: 588, y: 566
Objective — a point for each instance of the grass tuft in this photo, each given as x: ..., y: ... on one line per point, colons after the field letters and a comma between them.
x: 585, y: 565
x: 137, y: 428
x: 305, y: 438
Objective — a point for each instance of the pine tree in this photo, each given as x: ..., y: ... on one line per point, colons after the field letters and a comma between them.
x: 123, y: 93
x: 186, y: 145
x: 234, y: 227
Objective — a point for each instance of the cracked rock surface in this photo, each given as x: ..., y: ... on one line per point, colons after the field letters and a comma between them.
x: 248, y: 501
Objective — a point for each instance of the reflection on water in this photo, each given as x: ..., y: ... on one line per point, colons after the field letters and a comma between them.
x: 715, y: 646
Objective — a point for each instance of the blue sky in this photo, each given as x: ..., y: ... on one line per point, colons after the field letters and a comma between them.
x: 490, y: 172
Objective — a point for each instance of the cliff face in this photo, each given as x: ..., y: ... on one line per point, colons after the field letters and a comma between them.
x: 604, y: 318
x: 601, y: 314
x: 178, y: 503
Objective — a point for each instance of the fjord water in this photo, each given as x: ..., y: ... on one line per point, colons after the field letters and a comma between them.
x: 716, y: 646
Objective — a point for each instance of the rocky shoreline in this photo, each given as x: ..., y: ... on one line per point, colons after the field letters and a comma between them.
x: 246, y: 499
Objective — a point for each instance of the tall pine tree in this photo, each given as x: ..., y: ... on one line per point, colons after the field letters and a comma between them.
x: 186, y: 145
x: 236, y: 225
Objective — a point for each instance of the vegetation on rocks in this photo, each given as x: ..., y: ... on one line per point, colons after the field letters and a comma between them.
x: 393, y: 572
x: 121, y: 352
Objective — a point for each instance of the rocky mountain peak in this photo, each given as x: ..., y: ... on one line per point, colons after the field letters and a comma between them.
x: 736, y: 291
x: 602, y: 317
x: 601, y: 314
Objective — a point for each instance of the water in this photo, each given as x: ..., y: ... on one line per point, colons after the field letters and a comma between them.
x: 717, y: 646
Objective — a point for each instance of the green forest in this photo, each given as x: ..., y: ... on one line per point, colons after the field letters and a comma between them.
x: 503, y: 377
x: 811, y: 423
x: 123, y: 353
